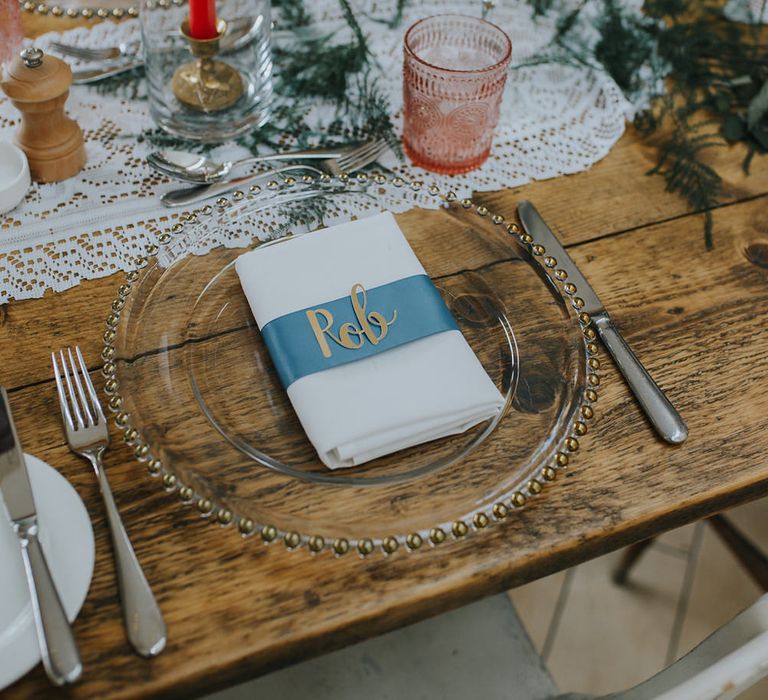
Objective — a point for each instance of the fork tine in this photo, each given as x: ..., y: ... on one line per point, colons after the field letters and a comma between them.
x: 95, y: 403
x: 80, y: 391
x: 71, y: 391
x: 78, y: 51
x: 360, y: 153
x: 368, y: 157
x: 65, y: 414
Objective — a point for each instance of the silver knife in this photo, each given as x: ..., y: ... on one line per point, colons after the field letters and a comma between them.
x: 661, y: 413
x: 58, y: 648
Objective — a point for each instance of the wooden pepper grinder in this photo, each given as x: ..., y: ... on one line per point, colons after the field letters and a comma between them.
x: 38, y: 87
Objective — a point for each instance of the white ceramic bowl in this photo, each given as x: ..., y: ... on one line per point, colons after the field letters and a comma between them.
x: 14, y: 176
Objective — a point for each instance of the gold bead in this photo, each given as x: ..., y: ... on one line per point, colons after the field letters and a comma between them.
x: 56, y: 11
x: 204, y: 505
x: 109, y: 335
x: 246, y: 526
x: 398, y: 182
x: 154, y: 466
x: 177, y: 228
x: 549, y: 261
x: 123, y: 290
x: 117, y: 305
x: 589, y: 333
x: 288, y: 181
x: 416, y: 184
x: 340, y: 546
x: 548, y: 474
x: 434, y: 190
x: 274, y: 184
x: 390, y: 545
x: 585, y: 318
x: 580, y: 428
x: 365, y: 547
x: 121, y: 420
x: 132, y: 276
x: 186, y: 493
x: 110, y: 386
x: 254, y: 189
x: 268, y: 533
x: 570, y: 288
x: 237, y: 195
x: 500, y: 511
x: 108, y: 352
x: 118, y: 12
x: 86, y: 13
x: 466, y: 203
x: 513, y: 228
x: 594, y: 363
x: 169, y: 481
x: 437, y: 535
x: 115, y: 402
x: 587, y: 412
x: 526, y: 238
x: 292, y: 540
x: 497, y: 219
x: 480, y: 520
x: 164, y: 238
x: 482, y: 210
x: 141, y: 452
x: 561, y: 459
x: 109, y: 368
x: 459, y: 528
x: 414, y: 540
x: 594, y: 379
x: 316, y: 543
x: 361, y: 177
x: 133, y: 11
x: 518, y: 499
x: 561, y: 275
x: 534, y: 486
x: 572, y: 444
x: 592, y: 348
x: 112, y: 319
x: 577, y: 302
x: 130, y: 435
x: 450, y: 196
x: 152, y: 249
x: 224, y: 516
x: 538, y: 249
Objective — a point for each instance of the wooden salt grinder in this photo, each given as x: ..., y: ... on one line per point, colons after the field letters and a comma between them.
x: 38, y: 87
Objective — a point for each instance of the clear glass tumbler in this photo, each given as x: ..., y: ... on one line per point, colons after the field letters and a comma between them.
x: 210, y: 90
x: 454, y: 71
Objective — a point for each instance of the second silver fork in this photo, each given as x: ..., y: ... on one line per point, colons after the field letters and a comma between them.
x: 88, y: 436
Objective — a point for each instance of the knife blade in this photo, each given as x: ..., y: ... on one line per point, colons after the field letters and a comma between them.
x: 58, y: 648
x: 660, y: 412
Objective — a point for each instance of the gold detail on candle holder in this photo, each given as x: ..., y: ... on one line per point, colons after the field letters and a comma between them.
x: 206, y: 84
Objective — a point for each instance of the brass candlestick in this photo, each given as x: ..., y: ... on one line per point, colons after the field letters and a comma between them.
x: 205, y: 84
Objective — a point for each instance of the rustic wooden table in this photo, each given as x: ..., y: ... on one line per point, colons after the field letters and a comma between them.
x: 698, y: 319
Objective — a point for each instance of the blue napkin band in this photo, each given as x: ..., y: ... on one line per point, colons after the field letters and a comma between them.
x: 356, y: 326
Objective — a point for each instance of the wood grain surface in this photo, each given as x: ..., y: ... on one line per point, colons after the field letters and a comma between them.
x: 699, y: 322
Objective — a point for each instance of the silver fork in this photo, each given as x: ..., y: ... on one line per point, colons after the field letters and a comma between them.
x: 88, y: 436
x: 355, y: 159
x: 85, y: 53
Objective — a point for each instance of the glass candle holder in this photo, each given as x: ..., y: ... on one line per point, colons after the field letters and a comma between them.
x: 213, y: 87
x: 454, y: 71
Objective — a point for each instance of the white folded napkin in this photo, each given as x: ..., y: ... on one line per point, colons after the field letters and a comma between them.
x: 426, y: 389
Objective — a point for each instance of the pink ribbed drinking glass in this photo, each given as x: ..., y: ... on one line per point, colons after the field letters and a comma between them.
x: 454, y: 72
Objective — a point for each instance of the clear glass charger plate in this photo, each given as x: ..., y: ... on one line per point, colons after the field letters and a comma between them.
x: 194, y: 390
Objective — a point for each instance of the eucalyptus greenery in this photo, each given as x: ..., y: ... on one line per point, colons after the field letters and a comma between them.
x: 707, y: 78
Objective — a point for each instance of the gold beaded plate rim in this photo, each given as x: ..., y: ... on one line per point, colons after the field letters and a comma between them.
x: 475, y: 521
x: 91, y: 10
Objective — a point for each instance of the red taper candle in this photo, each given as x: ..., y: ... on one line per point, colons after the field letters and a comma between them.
x: 202, y: 19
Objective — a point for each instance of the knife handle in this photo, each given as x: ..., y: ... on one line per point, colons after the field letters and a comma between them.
x: 662, y: 414
x: 58, y: 648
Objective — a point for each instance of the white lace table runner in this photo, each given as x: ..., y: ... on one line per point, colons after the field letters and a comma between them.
x: 556, y: 119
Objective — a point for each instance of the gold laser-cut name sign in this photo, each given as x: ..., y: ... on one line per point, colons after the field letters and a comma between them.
x: 350, y: 335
